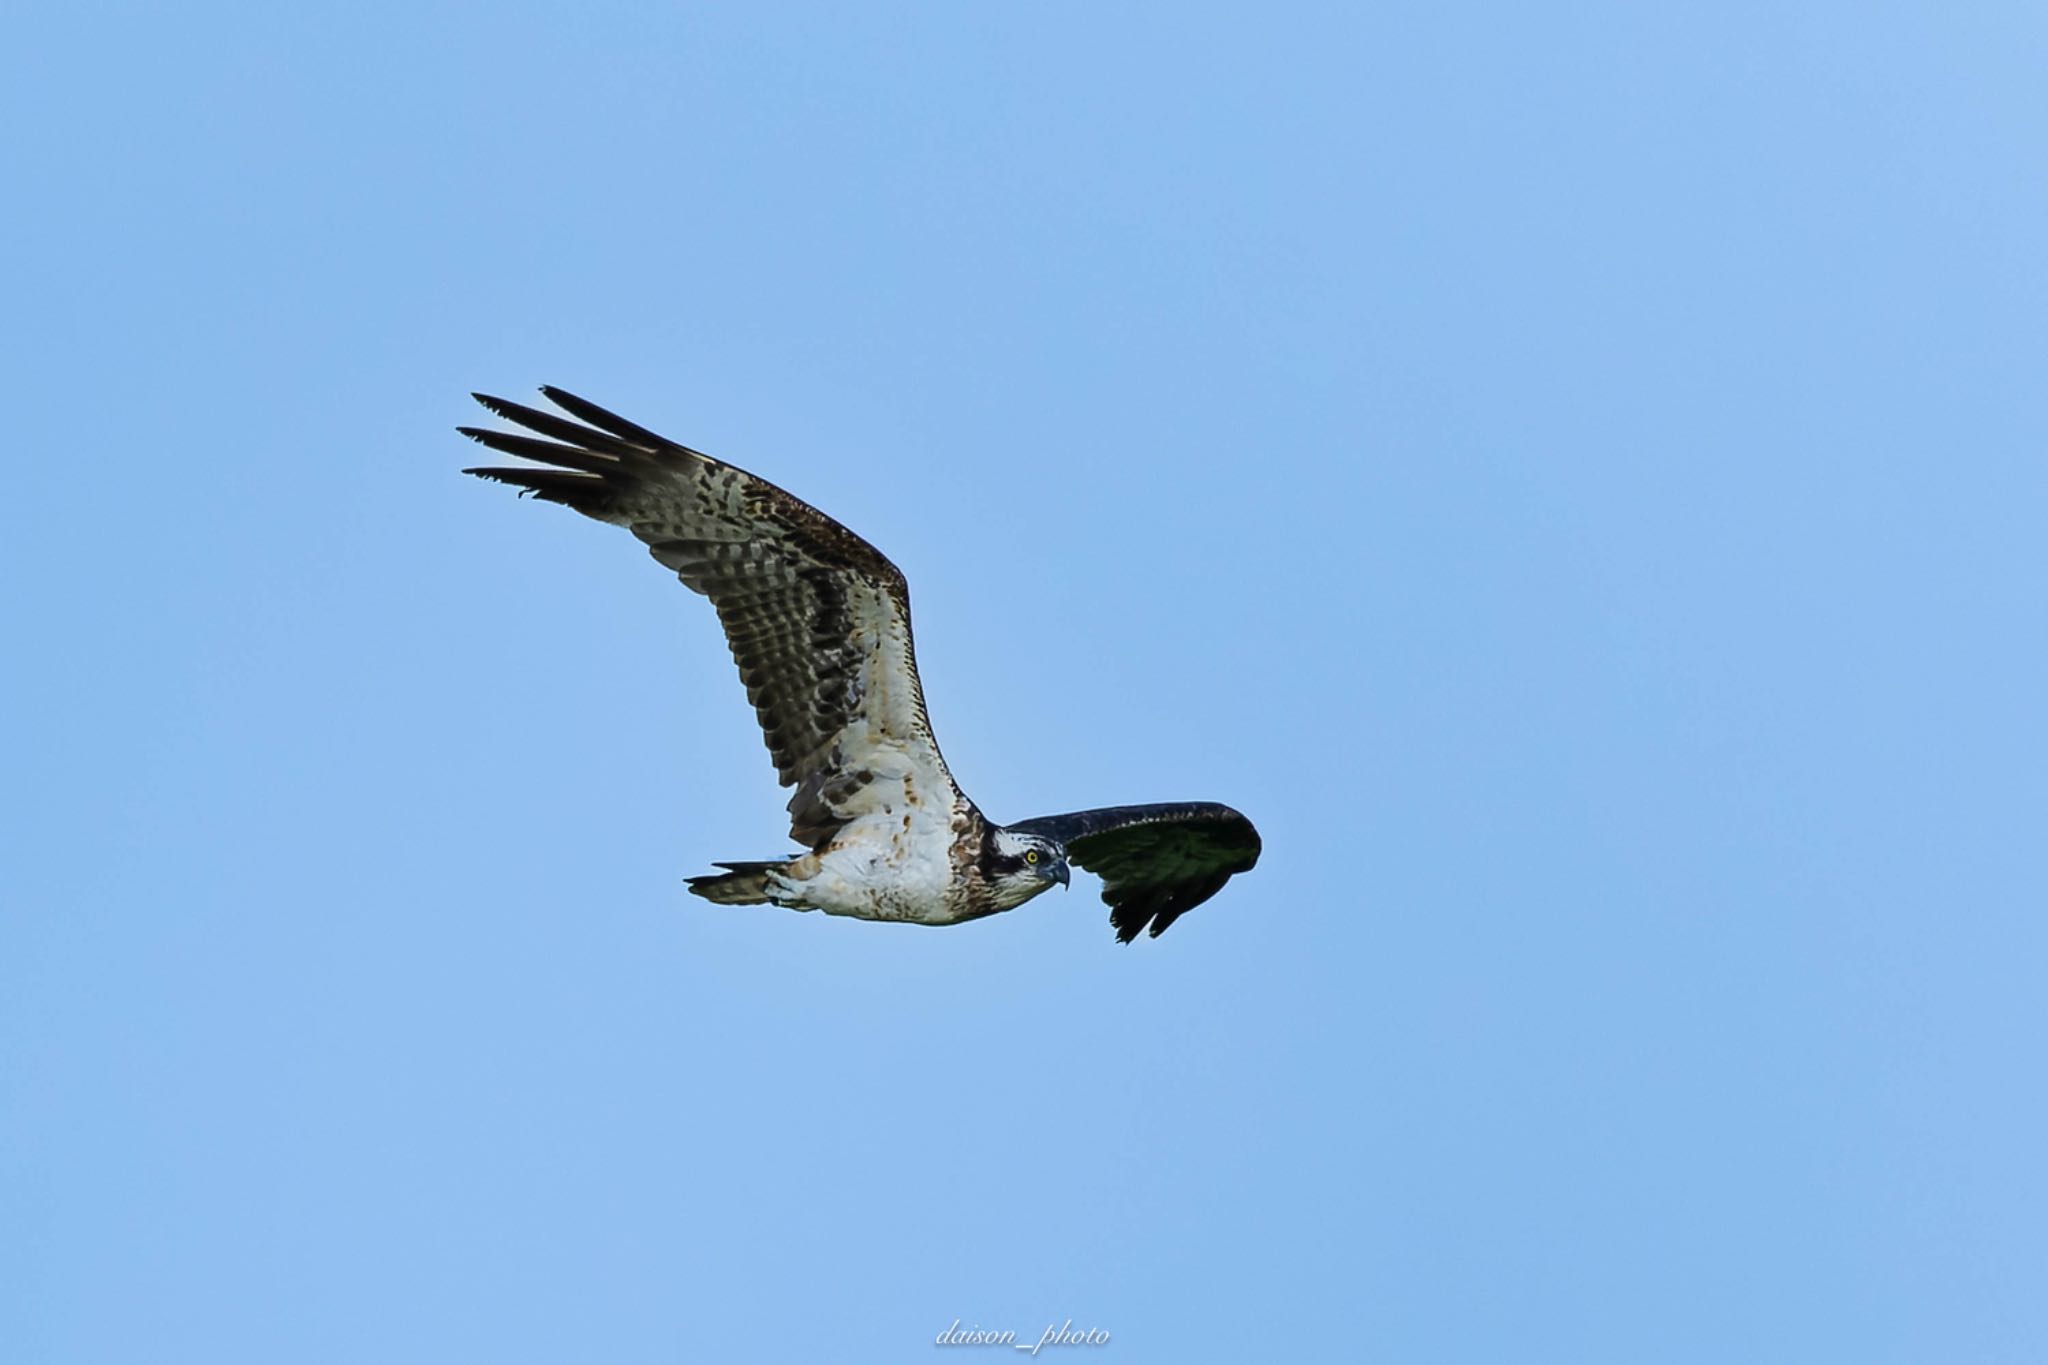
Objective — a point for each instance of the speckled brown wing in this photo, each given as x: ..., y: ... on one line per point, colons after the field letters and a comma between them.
x: 1156, y: 862
x: 818, y: 620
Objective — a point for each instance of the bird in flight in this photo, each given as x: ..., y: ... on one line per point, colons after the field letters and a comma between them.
x: 819, y: 624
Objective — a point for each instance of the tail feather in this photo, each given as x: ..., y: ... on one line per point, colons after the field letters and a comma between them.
x: 739, y: 884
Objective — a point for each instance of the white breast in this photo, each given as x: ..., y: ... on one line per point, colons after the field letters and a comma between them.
x: 894, y: 864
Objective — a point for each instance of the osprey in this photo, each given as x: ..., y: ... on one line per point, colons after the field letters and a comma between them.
x: 819, y: 623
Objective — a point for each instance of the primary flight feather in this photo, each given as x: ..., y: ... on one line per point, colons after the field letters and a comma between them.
x: 819, y: 624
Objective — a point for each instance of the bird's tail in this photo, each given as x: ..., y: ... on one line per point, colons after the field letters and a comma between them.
x: 739, y: 884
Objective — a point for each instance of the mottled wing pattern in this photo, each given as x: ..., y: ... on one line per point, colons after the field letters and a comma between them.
x: 818, y: 620
x: 1156, y: 862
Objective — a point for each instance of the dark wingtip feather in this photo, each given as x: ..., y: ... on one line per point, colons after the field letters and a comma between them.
x: 585, y: 410
x: 584, y: 492
x: 545, y: 452
x: 496, y: 406
x: 559, y: 428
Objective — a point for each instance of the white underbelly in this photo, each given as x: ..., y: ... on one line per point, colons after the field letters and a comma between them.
x: 886, y: 867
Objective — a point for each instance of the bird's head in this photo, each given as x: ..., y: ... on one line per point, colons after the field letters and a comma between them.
x: 1021, y: 865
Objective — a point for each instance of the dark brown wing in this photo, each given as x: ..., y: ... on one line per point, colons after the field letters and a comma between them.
x: 1156, y: 862
x: 818, y: 620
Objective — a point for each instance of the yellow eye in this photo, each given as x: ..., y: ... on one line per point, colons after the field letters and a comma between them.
x: 1031, y: 856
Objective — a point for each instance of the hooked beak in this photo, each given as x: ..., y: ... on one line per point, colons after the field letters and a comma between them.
x: 1059, y: 873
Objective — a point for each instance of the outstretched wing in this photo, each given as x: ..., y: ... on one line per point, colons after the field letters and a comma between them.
x: 1156, y: 862
x: 818, y: 619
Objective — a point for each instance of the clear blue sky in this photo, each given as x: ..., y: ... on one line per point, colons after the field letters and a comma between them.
x: 1575, y: 475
